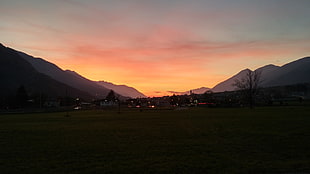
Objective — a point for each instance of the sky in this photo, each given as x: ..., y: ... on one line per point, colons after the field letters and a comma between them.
x: 158, y: 46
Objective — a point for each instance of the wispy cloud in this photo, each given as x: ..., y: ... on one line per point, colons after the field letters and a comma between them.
x: 158, y: 45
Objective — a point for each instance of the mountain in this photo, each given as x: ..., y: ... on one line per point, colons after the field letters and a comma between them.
x: 16, y: 71
x: 267, y: 70
x: 201, y: 90
x: 292, y: 73
x: 67, y: 77
x: 227, y: 85
x: 122, y: 90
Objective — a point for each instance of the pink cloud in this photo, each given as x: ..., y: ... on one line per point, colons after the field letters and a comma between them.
x: 170, y: 46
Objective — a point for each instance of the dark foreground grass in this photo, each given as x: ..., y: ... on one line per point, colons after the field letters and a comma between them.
x: 197, y: 140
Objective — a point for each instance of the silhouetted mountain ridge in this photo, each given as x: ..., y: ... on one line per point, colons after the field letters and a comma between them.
x: 227, y: 85
x: 122, y: 90
x: 16, y: 71
x: 200, y: 90
x: 292, y: 73
x: 39, y: 75
x: 67, y: 77
x: 289, y: 74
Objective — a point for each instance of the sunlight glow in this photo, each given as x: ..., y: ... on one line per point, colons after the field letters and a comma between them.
x: 158, y: 46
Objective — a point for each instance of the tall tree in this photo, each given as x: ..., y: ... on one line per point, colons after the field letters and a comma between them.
x: 21, y: 96
x: 249, y: 86
x: 111, y: 96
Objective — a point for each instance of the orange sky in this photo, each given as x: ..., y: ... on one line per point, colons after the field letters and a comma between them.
x: 158, y: 46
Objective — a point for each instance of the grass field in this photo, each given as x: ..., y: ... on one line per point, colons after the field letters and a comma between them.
x: 196, y: 140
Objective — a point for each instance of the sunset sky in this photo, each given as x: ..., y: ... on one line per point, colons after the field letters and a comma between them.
x: 158, y: 45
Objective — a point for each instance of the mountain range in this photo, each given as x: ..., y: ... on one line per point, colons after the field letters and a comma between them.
x: 16, y: 71
x: 41, y: 76
x: 122, y: 89
x: 289, y: 74
x: 200, y: 90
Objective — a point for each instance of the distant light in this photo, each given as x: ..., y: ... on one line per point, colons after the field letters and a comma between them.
x: 77, y: 108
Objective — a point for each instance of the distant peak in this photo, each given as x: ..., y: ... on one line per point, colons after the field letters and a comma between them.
x: 266, y: 67
x: 243, y: 71
x: 270, y: 65
x: 247, y: 69
x: 202, y: 88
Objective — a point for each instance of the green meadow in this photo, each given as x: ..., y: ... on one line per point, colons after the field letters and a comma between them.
x: 194, y: 140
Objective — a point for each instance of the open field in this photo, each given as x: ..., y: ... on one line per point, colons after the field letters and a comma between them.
x: 196, y: 140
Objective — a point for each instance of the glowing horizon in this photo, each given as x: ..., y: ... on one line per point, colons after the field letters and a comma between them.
x: 158, y: 46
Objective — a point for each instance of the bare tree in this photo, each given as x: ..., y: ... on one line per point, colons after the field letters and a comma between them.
x: 249, y: 86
